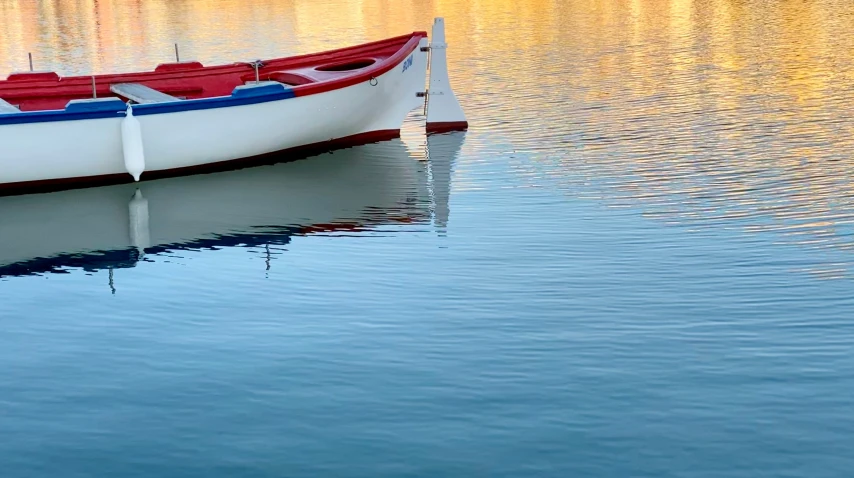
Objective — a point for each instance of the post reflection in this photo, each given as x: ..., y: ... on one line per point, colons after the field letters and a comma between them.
x: 442, y: 152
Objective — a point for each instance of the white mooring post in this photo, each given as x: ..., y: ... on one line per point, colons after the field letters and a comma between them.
x: 443, y: 110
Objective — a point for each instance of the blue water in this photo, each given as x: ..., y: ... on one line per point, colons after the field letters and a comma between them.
x: 637, y: 262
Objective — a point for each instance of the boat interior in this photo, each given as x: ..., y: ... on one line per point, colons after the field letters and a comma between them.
x: 188, y: 80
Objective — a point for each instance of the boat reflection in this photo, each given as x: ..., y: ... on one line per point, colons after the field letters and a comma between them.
x: 113, y: 227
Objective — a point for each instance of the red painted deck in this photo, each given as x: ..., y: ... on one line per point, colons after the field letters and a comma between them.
x: 306, y: 74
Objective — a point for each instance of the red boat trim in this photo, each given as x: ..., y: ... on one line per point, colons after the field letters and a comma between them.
x: 36, y: 92
x: 446, y: 127
x: 365, y: 74
x: 285, y: 155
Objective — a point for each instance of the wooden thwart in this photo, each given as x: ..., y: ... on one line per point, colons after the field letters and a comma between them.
x: 141, y: 94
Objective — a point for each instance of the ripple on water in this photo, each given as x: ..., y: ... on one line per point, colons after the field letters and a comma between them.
x: 617, y: 260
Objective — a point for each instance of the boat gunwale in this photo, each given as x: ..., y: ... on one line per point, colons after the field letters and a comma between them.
x: 215, y: 102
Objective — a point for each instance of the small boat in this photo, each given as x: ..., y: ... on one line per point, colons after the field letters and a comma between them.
x: 185, y: 117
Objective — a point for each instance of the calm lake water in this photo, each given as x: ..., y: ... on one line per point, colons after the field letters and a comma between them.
x: 637, y: 262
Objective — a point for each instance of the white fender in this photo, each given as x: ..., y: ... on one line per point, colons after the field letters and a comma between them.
x: 132, y: 145
x: 140, y: 237
x: 443, y: 110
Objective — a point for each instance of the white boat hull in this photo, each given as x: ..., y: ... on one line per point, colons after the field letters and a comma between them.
x: 105, y: 140
x: 45, y: 151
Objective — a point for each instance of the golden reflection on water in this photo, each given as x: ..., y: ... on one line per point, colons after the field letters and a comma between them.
x: 705, y: 113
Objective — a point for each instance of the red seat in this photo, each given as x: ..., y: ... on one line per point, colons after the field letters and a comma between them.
x: 33, y: 76
x: 179, y: 66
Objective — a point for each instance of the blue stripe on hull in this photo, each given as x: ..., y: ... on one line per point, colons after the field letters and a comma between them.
x: 241, y: 96
x: 26, y: 117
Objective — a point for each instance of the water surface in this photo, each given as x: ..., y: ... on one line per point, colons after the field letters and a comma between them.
x: 637, y: 261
